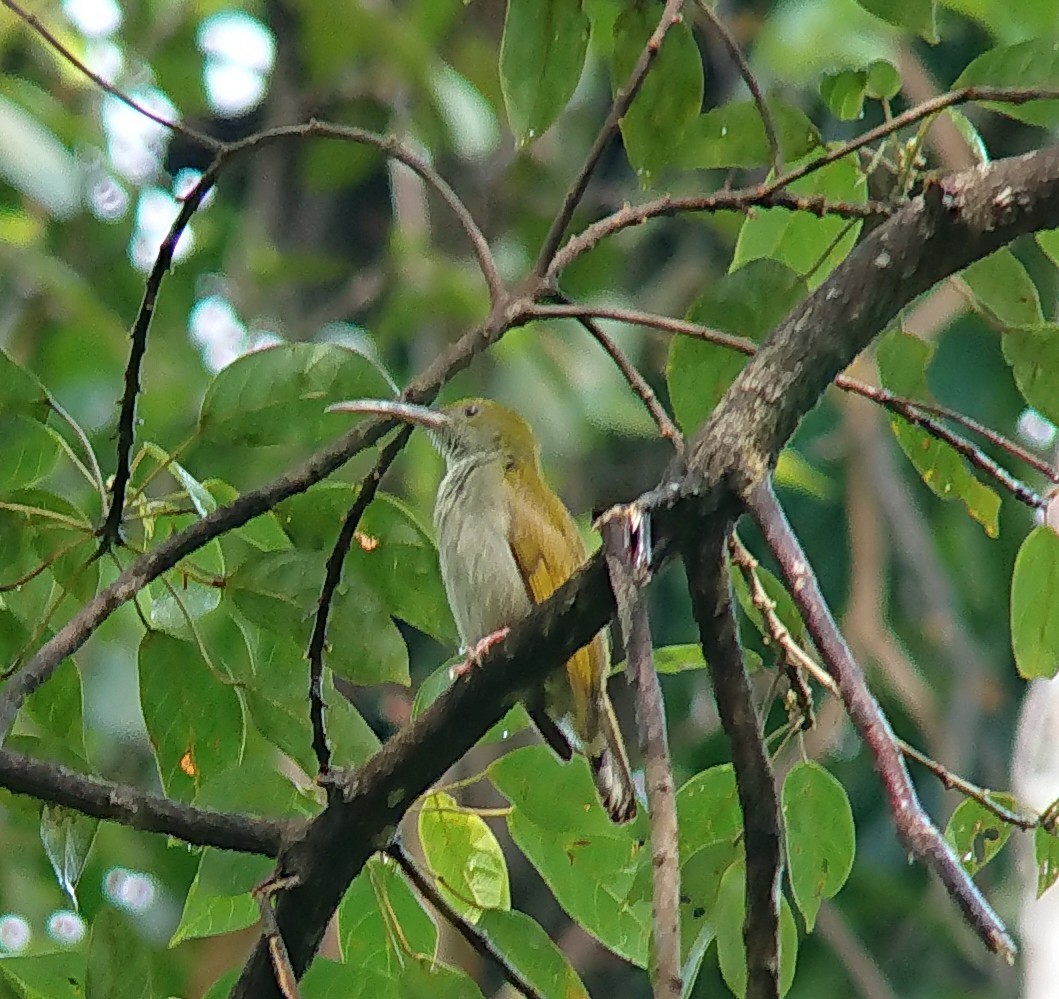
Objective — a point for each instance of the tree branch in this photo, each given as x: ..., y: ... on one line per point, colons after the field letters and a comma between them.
x: 102, y: 799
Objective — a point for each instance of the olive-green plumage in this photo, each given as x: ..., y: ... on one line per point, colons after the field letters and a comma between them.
x: 506, y: 542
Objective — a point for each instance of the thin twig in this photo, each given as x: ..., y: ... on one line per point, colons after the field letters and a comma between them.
x: 622, y: 102
x: 52, y: 782
x: 474, y: 936
x: 914, y: 826
x: 332, y: 577
x: 286, y: 980
x: 776, y: 154
x: 666, y: 427
x: 626, y: 543
x: 910, y: 410
x: 33, y: 22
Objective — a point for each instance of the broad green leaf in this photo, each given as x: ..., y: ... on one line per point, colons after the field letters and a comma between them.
x: 118, y: 963
x: 794, y: 472
x: 734, y: 136
x: 464, y: 856
x: 903, y: 360
x: 531, y: 951
x: 67, y: 837
x: 1034, y: 598
x: 279, y: 591
x: 708, y: 810
x: 592, y: 866
x: 63, y: 536
x: 56, y: 706
x: 20, y: 391
x: 844, y: 92
x: 28, y: 452
x: 701, y: 875
x: 379, y: 897
x: 219, y: 900
x: 195, y: 721
x: 1046, y: 853
x: 730, y: 911
x: 280, y: 395
x: 820, y: 837
x: 1025, y: 65
x: 812, y: 247
x: 1048, y: 240
x: 1033, y: 353
x: 196, y: 492
x: 918, y: 16
x: 427, y: 978
x: 747, y: 302
x: 1001, y: 284
x: 47, y: 976
x: 670, y: 98
x: 259, y: 786
x: 678, y: 658
x: 976, y: 834
x: 541, y: 58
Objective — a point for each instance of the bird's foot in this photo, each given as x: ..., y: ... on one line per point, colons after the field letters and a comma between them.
x: 477, y: 652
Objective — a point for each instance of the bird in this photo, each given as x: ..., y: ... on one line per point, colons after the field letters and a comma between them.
x: 505, y: 543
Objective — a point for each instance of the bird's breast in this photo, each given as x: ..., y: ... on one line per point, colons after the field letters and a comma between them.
x: 482, y: 580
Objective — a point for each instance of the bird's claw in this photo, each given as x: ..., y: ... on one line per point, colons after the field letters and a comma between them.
x: 477, y: 652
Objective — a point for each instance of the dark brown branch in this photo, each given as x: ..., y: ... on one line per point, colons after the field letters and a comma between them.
x: 622, y: 102
x: 332, y: 577
x: 626, y: 546
x: 712, y: 605
x: 102, y: 799
x: 914, y: 826
x: 776, y: 154
x: 110, y: 532
x: 474, y: 936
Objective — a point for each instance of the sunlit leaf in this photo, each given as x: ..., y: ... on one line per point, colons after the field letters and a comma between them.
x: 67, y: 837
x: 1046, y: 853
x: 1001, y: 283
x: 532, y: 952
x: 1034, y: 596
x: 977, y: 834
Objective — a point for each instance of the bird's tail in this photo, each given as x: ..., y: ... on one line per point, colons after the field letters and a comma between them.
x: 610, y: 768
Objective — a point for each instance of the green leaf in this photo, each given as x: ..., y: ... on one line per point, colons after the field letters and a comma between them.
x: 810, y: 246
x: 1048, y: 240
x: 56, y: 706
x: 918, y: 16
x: 464, y: 856
x: 67, y: 837
x: 21, y: 392
x: 63, y: 536
x: 427, y: 978
x: 777, y: 593
x: 1026, y: 65
x: 118, y: 964
x: 734, y: 136
x: 278, y: 592
x: 970, y: 134
x: 1001, y: 284
x: 678, y: 658
x: 1046, y: 853
x: 730, y: 912
x: 700, y: 884
x: 1034, y: 597
x: 28, y: 452
x: 903, y: 360
x: 748, y: 302
x: 592, y: 866
x: 195, y: 721
x: 541, y: 57
x: 280, y: 395
x: 976, y: 834
x: 708, y: 810
x: 671, y: 95
x: 820, y: 837
x: 1033, y: 353
x: 196, y: 492
x: 219, y: 900
x: 263, y: 532
x: 531, y: 951
x: 47, y: 976
x: 844, y: 92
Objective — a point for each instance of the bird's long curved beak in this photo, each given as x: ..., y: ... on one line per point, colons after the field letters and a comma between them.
x: 422, y: 416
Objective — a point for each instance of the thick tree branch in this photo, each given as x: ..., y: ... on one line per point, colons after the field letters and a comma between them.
x: 102, y: 799
x: 712, y: 605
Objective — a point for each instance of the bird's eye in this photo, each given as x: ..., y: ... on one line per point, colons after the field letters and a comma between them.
x: 471, y: 409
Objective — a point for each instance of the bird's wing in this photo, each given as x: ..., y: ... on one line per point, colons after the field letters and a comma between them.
x: 547, y: 550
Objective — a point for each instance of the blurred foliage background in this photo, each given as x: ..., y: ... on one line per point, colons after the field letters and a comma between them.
x: 315, y: 242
